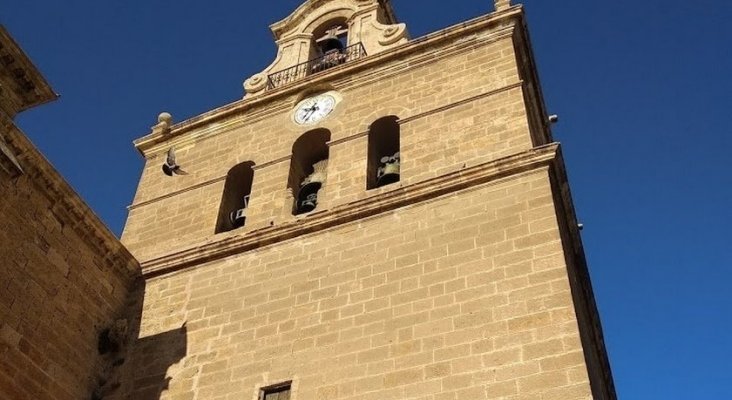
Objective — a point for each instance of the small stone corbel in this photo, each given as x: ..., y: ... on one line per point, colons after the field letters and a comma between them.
x: 8, y: 161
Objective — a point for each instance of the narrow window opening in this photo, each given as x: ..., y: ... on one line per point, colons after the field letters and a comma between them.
x: 384, y: 157
x: 276, y: 392
x: 235, y: 199
x: 308, y: 169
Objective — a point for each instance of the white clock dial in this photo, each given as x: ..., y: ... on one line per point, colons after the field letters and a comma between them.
x: 315, y: 109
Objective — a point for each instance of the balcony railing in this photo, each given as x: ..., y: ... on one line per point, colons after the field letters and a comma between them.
x: 327, y: 61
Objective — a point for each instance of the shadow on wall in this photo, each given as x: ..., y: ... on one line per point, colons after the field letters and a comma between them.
x: 153, y: 356
x: 145, y: 373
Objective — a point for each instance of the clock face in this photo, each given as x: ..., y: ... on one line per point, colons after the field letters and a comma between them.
x: 314, y: 109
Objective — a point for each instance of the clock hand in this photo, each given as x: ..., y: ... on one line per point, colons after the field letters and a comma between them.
x: 311, y: 111
x: 308, y: 109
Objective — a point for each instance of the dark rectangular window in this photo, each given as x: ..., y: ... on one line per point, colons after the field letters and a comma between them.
x: 276, y: 392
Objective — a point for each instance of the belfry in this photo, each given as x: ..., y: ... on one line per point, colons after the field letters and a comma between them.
x: 380, y: 217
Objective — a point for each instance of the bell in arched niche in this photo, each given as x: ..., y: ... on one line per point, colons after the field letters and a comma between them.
x: 388, y: 172
x: 307, y: 197
x: 238, y: 217
x: 332, y: 48
x: 331, y: 41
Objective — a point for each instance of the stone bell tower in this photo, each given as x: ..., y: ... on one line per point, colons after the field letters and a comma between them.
x: 379, y: 217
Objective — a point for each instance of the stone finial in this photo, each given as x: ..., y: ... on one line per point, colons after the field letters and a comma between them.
x: 502, y: 4
x: 165, y: 121
x: 165, y: 118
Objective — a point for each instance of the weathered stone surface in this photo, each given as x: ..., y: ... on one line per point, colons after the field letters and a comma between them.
x: 455, y: 283
x: 63, y: 276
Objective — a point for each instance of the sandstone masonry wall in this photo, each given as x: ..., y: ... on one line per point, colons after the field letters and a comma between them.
x: 463, y: 297
x: 63, y: 279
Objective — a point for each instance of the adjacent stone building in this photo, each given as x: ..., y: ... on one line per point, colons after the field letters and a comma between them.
x: 65, y: 280
x: 379, y: 218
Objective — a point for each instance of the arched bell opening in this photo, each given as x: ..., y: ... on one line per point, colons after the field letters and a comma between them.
x: 330, y: 43
x: 235, y: 200
x: 384, y: 158
x: 308, y: 169
x: 331, y: 36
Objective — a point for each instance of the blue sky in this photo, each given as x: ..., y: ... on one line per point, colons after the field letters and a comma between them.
x: 642, y: 88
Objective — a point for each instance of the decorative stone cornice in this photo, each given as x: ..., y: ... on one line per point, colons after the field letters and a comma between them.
x: 212, y: 120
x: 68, y: 207
x: 21, y: 84
x: 217, y: 248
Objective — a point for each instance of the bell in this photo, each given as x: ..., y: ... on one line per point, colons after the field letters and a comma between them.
x: 330, y: 42
x: 309, y: 203
x: 388, y: 173
x: 238, y: 218
x: 307, y: 197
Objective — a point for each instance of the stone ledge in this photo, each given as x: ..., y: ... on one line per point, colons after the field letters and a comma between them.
x: 215, y: 249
